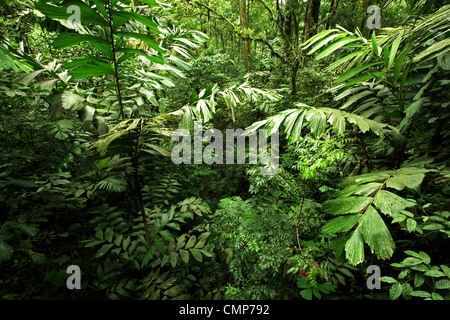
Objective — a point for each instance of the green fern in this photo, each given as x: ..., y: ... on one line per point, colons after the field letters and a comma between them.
x: 358, y: 207
x: 380, y: 74
x: 317, y: 121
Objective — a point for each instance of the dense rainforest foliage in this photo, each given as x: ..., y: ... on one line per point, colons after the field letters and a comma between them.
x: 92, y: 91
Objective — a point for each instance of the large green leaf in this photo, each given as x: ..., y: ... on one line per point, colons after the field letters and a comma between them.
x: 375, y: 46
x: 375, y: 176
x: 376, y: 234
x: 353, y: 72
x: 400, y: 180
x: 317, y: 121
x: 395, y: 291
x: 413, y: 109
x: 346, y: 205
x: 145, y: 38
x: 390, y: 203
x: 70, y: 100
x: 394, y: 49
x: 294, y: 123
x: 337, y: 121
x: 354, y: 248
x: 196, y: 253
x: 325, y: 41
x: 341, y: 223
x: 355, y: 98
x: 60, y: 11
x: 64, y: 40
x: 344, y: 59
x: 184, y: 255
x: 399, y: 64
x: 361, y: 122
x: 133, y: 51
x: 334, y: 46
x: 361, y: 190
x: 92, y: 69
x: 317, y: 37
x: 67, y: 39
x: 126, y: 16
x: 433, y: 51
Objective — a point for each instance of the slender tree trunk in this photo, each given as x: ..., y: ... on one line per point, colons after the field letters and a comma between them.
x: 333, y: 8
x: 294, y: 70
x: 311, y: 17
x: 116, y: 76
x: 243, y: 18
x: 295, y: 21
x: 137, y: 188
x: 223, y: 42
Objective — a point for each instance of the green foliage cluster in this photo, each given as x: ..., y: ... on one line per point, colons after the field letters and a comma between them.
x: 87, y: 109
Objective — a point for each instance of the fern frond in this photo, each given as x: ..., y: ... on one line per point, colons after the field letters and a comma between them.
x: 359, y: 204
x: 317, y: 121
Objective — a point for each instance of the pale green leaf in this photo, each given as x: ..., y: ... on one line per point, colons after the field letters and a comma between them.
x: 365, y: 190
x: 411, y: 225
x: 346, y: 205
x: 390, y: 203
x: 334, y: 46
x: 388, y: 279
x: 376, y: 234
x: 399, y: 64
x: 341, y: 224
x: 395, y: 291
x: 434, y: 273
x: 394, y: 49
x: 354, y: 248
x: 71, y: 100
x: 353, y: 72
x: 422, y: 294
x: 442, y: 284
x: 343, y: 60
x: 399, y: 180
x: 184, y: 254
x: 191, y: 242
x: 197, y: 254
x: 424, y: 257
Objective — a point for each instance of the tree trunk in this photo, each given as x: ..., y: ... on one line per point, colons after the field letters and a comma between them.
x: 311, y: 18
x: 294, y: 70
x: 243, y: 18
x: 223, y: 42
x: 333, y: 8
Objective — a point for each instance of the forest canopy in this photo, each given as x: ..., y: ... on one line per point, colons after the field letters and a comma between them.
x: 224, y: 149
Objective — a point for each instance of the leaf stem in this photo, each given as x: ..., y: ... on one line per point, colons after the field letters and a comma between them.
x: 113, y: 47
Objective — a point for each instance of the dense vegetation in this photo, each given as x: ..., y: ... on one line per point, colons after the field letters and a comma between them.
x: 92, y: 90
